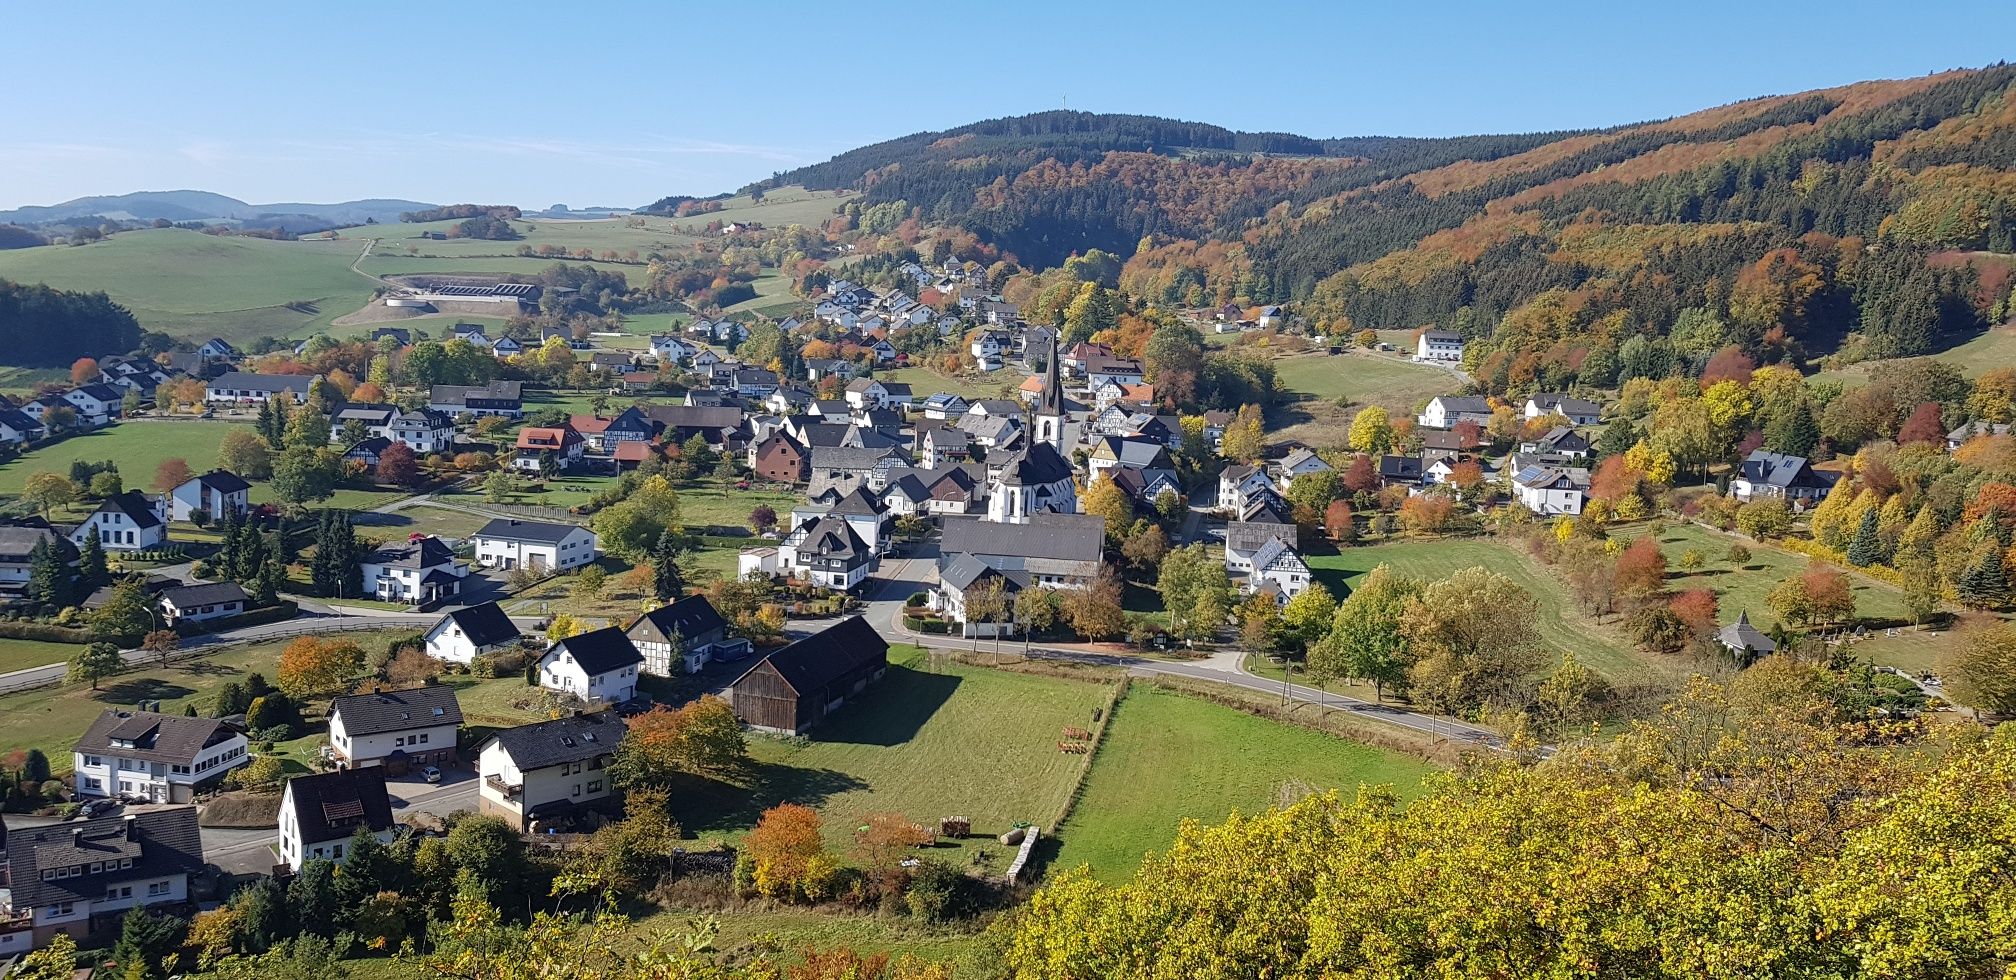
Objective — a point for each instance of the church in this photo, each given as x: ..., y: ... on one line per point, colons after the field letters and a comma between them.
x: 1037, y: 478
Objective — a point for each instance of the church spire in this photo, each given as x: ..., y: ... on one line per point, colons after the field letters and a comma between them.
x: 1050, y: 405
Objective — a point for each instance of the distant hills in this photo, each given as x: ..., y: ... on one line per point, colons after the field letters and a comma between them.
x: 180, y: 206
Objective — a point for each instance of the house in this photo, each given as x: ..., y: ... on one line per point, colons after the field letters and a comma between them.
x: 1125, y: 452
x: 503, y: 398
x: 1403, y: 471
x: 1575, y: 410
x: 376, y: 419
x: 1239, y: 481
x: 424, y: 431
x: 1552, y: 489
x: 867, y: 393
x: 988, y: 348
x: 404, y: 337
x: 462, y: 635
x: 400, y: 730
x: 942, y: 445
x: 507, y: 543
x: 537, y: 776
x: 1057, y: 551
x: 96, y: 404
x: 597, y: 666
x: 18, y: 428
x: 471, y: 332
x: 719, y: 425
x: 1558, y: 441
x: 206, y: 600
x: 944, y: 405
x: 822, y: 367
x: 1147, y: 484
x: 1954, y: 439
x: 609, y: 362
x: 1765, y: 475
x: 321, y: 812
x: 144, y: 755
x: 124, y: 522
x: 368, y: 450
x: 540, y: 447
x: 17, y: 549
x: 1745, y: 642
x: 1271, y: 317
x: 828, y: 551
x: 1274, y: 568
x: 795, y: 688
x: 216, y: 349
x: 215, y: 494
x: 1301, y: 462
x: 80, y: 877
x: 828, y: 408
x: 779, y: 457
x: 845, y: 467
x: 684, y: 635
x: 237, y: 387
x: 753, y: 382
x: 1439, y: 345
x: 867, y: 514
x: 420, y: 571
x: 961, y: 577
x: 1443, y: 468
x: 670, y: 349
x: 991, y: 431
x: 506, y: 347
x: 1105, y: 369
x: 1444, y: 411
x: 1107, y: 391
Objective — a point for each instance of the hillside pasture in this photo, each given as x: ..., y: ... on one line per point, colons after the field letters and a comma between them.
x: 1742, y: 587
x: 138, y: 447
x: 1365, y: 379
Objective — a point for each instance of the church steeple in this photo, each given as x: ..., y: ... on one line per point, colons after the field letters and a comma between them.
x: 1049, y: 415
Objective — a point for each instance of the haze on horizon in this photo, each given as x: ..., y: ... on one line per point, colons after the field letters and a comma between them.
x: 532, y: 105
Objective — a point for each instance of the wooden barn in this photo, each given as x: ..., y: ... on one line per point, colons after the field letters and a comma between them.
x: 796, y: 687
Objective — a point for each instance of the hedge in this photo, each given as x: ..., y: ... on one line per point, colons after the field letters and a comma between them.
x: 937, y: 627
x: 14, y: 629
x: 1814, y: 549
x: 279, y: 612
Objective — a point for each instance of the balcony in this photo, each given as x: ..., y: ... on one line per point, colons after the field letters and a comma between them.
x: 501, y: 788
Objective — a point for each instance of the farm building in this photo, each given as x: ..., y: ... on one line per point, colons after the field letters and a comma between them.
x: 796, y: 687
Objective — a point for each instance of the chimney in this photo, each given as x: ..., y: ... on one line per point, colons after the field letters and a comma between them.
x: 132, y: 827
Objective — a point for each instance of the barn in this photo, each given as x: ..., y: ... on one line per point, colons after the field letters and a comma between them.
x: 796, y: 687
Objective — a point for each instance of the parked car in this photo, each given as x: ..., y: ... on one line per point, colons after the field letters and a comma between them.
x: 98, y: 808
x: 432, y: 774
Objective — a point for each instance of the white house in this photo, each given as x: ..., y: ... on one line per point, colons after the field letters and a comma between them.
x: 1551, y: 490
x: 597, y: 667
x: 423, y: 430
x: 462, y: 635
x: 215, y: 493
x: 944, y: 405
x: 1444, y: 411
x: 205, y: 600
x: 144, y: 755
x: 124, y: 522
x: 17, y: 554
x: 537, y: 775
x: 1439, y: 345
x: 1300, y: 463
x: 78, y: 877
x: 320, y: 813
x: 683, y: 636
x: 507, y: 543
x: 1236, y: 483
x: 1277, y: 568
x: 419, y: 571
x: 400, y: 729
x: 237, y: 387
x: 1578, y: 411
x: 96, y: 404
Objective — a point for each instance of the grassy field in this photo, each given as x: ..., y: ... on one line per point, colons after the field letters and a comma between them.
x: 22, y: 380
x: 23, y: 654
x: 1740, y: 588
x: 190, y: 284
x: 51, y: 718
x: 925, y: 743
x: 1563, y: 627
x: 421, y: 520
x: 383, y: 262
x: 1366, y: 379
x: 1169, y: 757
x: 138, y: 448
x: 1993, y: 348
x: 709, y: 503
x: 924, y: 382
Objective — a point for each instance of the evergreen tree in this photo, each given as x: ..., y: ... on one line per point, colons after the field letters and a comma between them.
x: 1617, y: 438
x: 145, y: 940
x: 266, y: 585
x: 48, y: 577
x: 91, y: 565
x: 1984, y: 585
x: 252, y: 557
x: 667, y: 581
x: 1867, y: 546
x: 264, y: 423
x: 226, y: 558
x: 1793, y: 431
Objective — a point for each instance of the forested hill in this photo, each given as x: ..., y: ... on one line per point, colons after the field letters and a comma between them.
x: 1873, y: 218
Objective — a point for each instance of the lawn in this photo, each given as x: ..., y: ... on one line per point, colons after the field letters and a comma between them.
x: 1992, y: 348
x: 1742, y: 588
x: 421, y: 519
x: 924, y: 382
x: 1168, y: 757
x: 709, y: 502
x: 197, y: 286
x: 138, y: 447
x: 924, y: 742
x: 1563, y: 627
x: 52, y: 718
x: 1366, y: 379
x: 23, y: 654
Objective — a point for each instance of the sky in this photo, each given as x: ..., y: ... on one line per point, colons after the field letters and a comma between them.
x: 620, y: 103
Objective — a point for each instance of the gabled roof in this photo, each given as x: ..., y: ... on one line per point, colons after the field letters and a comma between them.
x: 134, y: 505
x: 512, y: 529
x: 427, y: 552
x: 204, y: 594
x: 1740, y: 635
x: 1036, y: 466
x: 242, y: 381
x: 816, y: 661
x: 1780, y: 470
x: 398, y: 711
x: 576, y: 738
x: 152, y: 736
x: 547, y: 438
x: 221, y: 481
x: 1465, y: 404
x: 367, y: 412
x: 1059, y: 537
x: 691, y: 616
x: 830, y: 536
x: 158, y: 843
x: 600, y: 651
x: 860, y: 503
x: 1400, y: 467
x: 484, y: 625
x: 1554, y: 401
x: 334, y: 805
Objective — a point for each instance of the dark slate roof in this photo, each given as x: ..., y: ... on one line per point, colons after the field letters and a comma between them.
x: 1060, y: 537
x: 1469, y: 404
x: 600, y: 651
x: 427, y: 552
x: 1740, y: 635
x: 224, y: 481
x: 1400, y: 467
x: 1566, y: 404
x: 484, y: 625
x: 203, y: 594
x: 135, y: 506
x: 963, y: 571
x: 509, y: 391
x: 331, y: 806
x: 510, y: 529
x: 241, y: 381
x: 160, y: 843
x: 397, y: 711
x: 153, y: 737
x: 102, y: 392
x: 1038, y: 465
x: 828, y: 655
x: 17, y: 541
x: 695, y: 416
x: 860, y: 503
x: 691, y: 616
x: 832, y: 537
x: 576, y: 738
x: 1778, y: 469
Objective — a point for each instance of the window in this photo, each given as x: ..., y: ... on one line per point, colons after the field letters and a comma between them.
x: 63, y: 908
x: 156, y: 889
x: 423, y: 738
x: 92, y: 760
x: 577, y: 790
x: 595, y: 786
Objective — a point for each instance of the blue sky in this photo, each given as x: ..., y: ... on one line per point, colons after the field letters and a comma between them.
x: 618, y: 103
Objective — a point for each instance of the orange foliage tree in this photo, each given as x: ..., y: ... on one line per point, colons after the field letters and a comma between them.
x: 1641, y: 569
x: 172, y: 473
x: 787, y: 856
